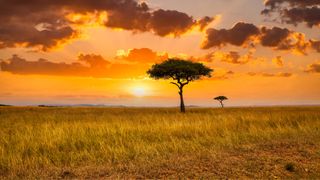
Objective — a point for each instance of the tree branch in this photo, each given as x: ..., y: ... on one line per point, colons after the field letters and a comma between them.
x: 183, y: 84
x: 175, y: 84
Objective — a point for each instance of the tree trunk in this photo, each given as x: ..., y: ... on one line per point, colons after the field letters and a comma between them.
x: 221, y: 104
x: 182, y: 107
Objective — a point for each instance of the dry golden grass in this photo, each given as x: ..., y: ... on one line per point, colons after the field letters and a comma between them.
x: 159, y: 142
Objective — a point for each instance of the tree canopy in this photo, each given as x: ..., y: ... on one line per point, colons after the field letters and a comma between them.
x: 177, y: 69
x: 220, y: 98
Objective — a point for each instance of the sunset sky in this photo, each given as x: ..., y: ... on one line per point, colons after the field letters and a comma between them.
x: 263, y: 52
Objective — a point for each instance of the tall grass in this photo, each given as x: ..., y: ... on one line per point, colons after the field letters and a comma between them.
x: 32, y: 139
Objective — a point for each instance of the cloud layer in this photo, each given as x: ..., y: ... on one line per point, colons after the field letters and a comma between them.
x: 126, y: 65
x: 134, y: 63
x: 248, y: 35
x: 295, y: 11
x: 87, y: 65
x: 47, y: 24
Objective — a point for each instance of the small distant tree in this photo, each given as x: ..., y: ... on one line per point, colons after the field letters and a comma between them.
x: 182, y: 72
x: 221, y: 99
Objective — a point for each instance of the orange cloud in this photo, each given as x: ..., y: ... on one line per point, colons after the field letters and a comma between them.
x: 93, y: 60
x: 143, y: 55
x: 278, y: 61
x: 86, y: 66
x: 280, y: 74
x: 221, y: 74
x: 232, y: 57
x: 313, y: 68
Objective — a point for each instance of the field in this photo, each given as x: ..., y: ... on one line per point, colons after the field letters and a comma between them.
x: 274, y: 142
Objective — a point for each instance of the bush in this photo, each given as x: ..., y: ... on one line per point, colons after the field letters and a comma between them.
x: 290, y: 167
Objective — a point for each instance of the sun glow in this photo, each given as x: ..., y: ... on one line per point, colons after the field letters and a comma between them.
x: 139, y: 91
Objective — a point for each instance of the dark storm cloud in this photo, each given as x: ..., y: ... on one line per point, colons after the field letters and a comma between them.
x: 45, y: 23
x: 43, y: 29
x: 160, y: 22
x: 273, y: 37
x: 237, y: 35
x: 295, y: 11
x: 284, y: 39
x: 249, y: 35
x: 301, y: 3
x: 164, y: 22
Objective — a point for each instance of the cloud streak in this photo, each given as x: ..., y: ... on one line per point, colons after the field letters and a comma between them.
x: 87, y: 65
x: 263, y: 74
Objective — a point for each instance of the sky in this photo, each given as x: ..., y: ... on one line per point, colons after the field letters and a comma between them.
x: 263, y: 52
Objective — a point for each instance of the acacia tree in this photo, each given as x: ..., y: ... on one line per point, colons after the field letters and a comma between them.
x: 221, y: 99
x: 182, y: 72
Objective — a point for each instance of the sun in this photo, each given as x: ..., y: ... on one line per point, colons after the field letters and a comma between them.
x: 139, y: 91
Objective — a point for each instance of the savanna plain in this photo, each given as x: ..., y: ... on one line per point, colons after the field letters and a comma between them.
x: 70, y: 142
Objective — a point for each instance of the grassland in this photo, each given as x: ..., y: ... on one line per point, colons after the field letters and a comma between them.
x: 278, y: 142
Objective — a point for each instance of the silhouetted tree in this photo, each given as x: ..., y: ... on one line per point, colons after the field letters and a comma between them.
x: 221, y: 99
x: 181, y: 71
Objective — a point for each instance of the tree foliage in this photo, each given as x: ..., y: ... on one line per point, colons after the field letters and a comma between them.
x: 221, y: 98
x: 181, y: 71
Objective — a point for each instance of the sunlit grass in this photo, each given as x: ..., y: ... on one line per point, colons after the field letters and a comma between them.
x: 33, y: 139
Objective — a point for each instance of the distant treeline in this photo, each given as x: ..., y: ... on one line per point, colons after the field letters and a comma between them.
x: 47, y: 106
x: 4, y: 105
